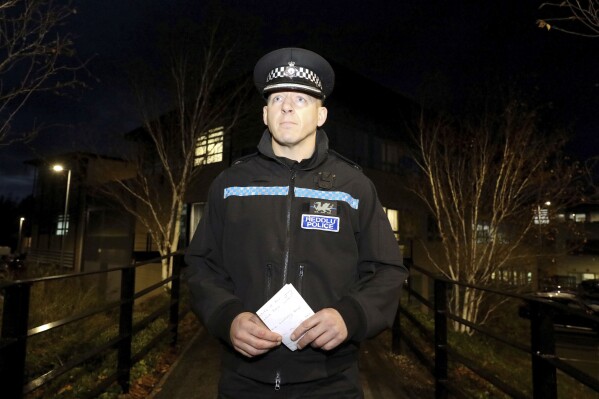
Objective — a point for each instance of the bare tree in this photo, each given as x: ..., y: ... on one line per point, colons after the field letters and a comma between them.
x: 33, y: 54
x: 484, y: 182
x: 166, y: 158
x: 591, y: 173
x: 576, y: 17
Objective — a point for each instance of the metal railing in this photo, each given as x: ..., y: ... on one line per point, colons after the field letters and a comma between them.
x: 16, y: 333
x: 439, y: 357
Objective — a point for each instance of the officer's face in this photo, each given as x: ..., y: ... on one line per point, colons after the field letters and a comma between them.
x: 292, y: 118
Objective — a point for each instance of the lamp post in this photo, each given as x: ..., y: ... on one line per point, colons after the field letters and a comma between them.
x: 21, y: 220
x: 60, y: 168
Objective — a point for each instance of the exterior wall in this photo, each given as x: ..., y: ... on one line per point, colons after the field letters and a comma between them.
x: 80, y: 249
x: 581, y: 267
x: 582, y: 263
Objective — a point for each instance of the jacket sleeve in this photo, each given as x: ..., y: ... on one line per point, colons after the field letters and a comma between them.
x: 210, y: 287
x: 370, y: 306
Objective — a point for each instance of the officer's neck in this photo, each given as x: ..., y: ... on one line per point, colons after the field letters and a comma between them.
x: 291, y: 163
x: 297, y: 153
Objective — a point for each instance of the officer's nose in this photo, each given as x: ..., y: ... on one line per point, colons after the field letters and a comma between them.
x: 287, y: 105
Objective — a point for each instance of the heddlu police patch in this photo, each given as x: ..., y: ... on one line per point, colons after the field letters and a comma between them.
x: 320, y: 222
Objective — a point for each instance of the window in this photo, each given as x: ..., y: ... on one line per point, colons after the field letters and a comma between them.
x: 486, y: 233
x: 197, y: 211
x: 512, y: 277
x: 393, y: 216
x: 578, y: 217
x: 483, y: 233
x: 541, y: 216
x: 62, y: 225
x: 209, y: 147
x: 390, y: 155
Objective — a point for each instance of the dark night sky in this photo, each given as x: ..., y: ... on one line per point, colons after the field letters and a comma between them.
x: 400, y: 44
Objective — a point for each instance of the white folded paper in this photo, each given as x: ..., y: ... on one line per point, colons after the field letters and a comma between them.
x: 284, y: 312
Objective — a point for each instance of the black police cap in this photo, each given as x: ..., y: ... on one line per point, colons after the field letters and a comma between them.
x: 294, y: 69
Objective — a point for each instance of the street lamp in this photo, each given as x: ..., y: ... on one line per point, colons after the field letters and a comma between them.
x: 21, y: 220
x: 59, y: 168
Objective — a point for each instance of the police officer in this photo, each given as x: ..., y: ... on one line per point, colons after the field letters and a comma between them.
x: 294, y: 213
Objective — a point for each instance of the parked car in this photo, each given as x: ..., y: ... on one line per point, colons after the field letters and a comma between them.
x: 588, y: 290
x: 570, y: 316
x: 558, y: 283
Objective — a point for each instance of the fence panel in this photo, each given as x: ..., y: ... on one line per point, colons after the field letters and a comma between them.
x: 16, y: 334
x: 540, y: 348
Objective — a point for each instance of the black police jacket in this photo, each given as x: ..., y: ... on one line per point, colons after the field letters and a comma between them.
x: 317, y: 224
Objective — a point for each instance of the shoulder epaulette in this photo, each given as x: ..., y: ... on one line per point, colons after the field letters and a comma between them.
x: 349, y: 161
x: 244, y: 158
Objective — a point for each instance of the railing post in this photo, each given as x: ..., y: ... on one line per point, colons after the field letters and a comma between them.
x: 13, y: 342
x: 126, y: 327
x: 396, y: 328
x: 175, y: 298
x: 542, y: 343
x: 440, y: 339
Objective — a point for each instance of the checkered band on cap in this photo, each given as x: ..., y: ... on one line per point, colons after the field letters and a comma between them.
x: 294, y: 69
x: 296, y: 72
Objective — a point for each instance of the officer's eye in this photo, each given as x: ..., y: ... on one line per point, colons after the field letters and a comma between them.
x: 278, y: 99
x: 301, y: 100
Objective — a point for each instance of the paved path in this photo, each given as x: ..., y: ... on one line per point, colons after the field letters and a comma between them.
x: 195, y: 374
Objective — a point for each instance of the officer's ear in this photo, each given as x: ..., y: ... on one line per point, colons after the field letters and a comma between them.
x: 265, y: 115
x: 322, y: 116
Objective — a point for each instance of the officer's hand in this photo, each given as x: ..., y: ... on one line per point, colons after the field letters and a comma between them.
x: 325, y: 329
x: 251, y: 337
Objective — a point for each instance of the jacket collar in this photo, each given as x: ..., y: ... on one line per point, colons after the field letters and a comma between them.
x: 319, y: 156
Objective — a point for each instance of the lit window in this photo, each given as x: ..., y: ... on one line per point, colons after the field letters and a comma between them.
x: 393, y: 216
x: 62, y: 225
x: 209, y: 147
x: 541, y: 216
x: 578, y: 217
x: 483, y: 233
x: 197, y: 211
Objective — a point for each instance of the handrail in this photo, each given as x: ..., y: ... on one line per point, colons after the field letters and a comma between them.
x: 15, y: 332
x: 541, y: 348
x: 6, y: 283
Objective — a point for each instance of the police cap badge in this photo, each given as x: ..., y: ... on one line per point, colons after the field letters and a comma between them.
x: 294, y: 69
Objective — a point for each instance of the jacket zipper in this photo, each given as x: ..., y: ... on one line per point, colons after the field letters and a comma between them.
x: 300, y: 279
x: 290, y: 196
x: 268, y: 282
x: 288, y: 233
